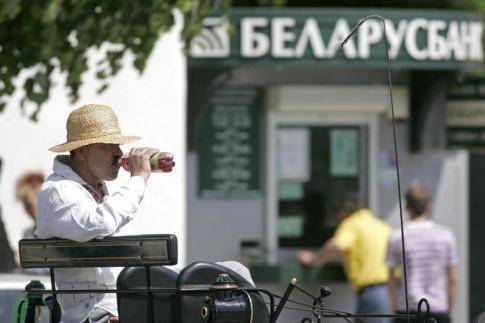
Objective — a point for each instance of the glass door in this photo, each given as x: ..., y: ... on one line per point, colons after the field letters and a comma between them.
x: 316, y: 163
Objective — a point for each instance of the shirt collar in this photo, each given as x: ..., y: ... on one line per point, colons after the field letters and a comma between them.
x: 61, y: 167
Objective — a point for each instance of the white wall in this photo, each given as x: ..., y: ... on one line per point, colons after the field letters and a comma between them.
x: 151, y: 105
x: 451, y: 202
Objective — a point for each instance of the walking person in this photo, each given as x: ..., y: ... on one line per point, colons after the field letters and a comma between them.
x: 362, y: 239
x: 431, y: 260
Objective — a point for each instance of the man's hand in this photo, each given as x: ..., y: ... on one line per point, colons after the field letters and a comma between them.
x: 327, y: 252
x: 139, y: 161
x: 305, y: 257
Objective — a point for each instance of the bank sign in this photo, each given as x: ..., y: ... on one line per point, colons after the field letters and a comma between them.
x: 417, y: 39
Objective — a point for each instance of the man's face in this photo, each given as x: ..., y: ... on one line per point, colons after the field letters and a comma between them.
x: 101, y: 160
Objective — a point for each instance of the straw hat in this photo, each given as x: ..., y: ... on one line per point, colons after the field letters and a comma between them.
x: 89, y: 124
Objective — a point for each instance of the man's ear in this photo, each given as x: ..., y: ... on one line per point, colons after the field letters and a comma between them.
x: 81, y: 153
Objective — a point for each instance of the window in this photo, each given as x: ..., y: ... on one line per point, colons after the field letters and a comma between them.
x: 316, y: 163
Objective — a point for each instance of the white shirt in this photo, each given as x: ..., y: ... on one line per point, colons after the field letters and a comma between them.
x: 66, y: 209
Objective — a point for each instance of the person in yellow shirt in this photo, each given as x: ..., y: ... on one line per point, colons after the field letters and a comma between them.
x: 362, y: 239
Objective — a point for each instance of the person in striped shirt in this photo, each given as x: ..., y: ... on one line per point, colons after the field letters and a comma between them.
x: 431, y: 260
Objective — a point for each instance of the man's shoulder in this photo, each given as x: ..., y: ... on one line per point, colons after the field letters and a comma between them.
x: 443, y: 231
x: 56, y: 180
x: 362, y: 221
x: 55, y: 184
x: 430, y: 226
x: 428, y: 230
x: 366, y: 218
x: 348, y: 221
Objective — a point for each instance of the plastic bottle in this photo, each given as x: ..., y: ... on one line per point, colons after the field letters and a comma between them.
x: 161, y: 162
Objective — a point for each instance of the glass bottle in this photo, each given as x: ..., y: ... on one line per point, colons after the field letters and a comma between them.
x: 161, y: 162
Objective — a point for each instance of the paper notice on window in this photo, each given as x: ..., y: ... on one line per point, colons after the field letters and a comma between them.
x: 344, y: 152
x: 293, y: 154
x: 290, y: 190
x: 290, y: 226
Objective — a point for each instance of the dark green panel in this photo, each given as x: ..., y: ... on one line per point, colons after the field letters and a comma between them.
x: 230, y: 144
x: 418, y: 39
x: 466, y: 117
x: 470, y: 88
x: 471, y: 137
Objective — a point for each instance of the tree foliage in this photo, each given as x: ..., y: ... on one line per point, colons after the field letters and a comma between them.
x: 40, y: 36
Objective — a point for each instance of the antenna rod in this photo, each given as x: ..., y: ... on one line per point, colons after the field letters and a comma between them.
x: 388, y: 65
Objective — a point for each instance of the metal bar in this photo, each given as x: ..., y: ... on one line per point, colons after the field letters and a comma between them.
x: 149, y: 295
x: 53, y: 279
x: 362, y: 316
x: 139, y: 290
x: 126, y: 291
x: 281, y: 304
x: 104, y: 291
x: 53, y: 286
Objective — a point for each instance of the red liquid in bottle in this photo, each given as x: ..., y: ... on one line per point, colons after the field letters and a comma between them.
x: 159, y: 163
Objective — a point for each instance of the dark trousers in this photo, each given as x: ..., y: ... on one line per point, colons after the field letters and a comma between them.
x: 439, y: 318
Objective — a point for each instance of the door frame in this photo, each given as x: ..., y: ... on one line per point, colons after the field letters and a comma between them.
x: 277, y: 118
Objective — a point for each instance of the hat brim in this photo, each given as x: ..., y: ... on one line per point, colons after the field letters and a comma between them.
x: 111, y: 139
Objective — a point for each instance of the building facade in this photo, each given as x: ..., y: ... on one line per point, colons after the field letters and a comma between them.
x: 282, y: 117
